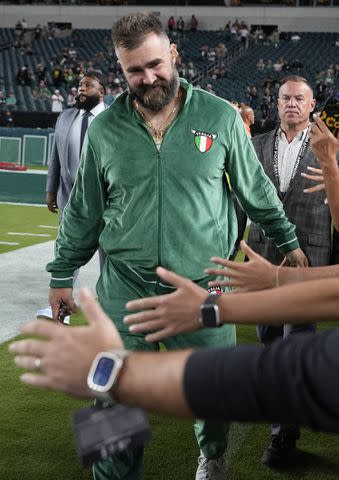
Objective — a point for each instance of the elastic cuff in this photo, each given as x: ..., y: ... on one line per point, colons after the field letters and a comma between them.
x: 61, y: 280
x: 289, y: 246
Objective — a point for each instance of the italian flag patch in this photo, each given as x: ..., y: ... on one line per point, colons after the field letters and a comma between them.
x: 203, y: 140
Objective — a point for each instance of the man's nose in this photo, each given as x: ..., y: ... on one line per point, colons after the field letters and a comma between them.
x: 292, y: 102
x: 149, y: 77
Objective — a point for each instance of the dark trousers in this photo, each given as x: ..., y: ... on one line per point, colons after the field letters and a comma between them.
x: 268, y: 334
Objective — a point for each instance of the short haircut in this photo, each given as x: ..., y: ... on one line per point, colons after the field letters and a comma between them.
x: 295, y: 78
x: 96, y: 76
x: 130, y: 30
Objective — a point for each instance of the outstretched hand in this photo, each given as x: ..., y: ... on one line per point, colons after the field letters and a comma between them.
x: 167, y: 315
x: 256, y: 274
x: 63, y: 358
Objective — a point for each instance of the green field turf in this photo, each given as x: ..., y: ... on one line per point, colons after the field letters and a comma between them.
x: 25, y: 219
x: 36, y: 438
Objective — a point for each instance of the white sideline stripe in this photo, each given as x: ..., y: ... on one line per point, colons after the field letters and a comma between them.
x: 48, y: 226
x: 26, y: 267
x: 9, y: 243
x: 34, y: 172
x: 24, y: 204
x: 29, y: 234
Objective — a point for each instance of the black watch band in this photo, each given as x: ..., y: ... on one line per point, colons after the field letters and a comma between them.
x: 210, y: 312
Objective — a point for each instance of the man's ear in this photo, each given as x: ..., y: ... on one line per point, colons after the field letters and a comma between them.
x: 174, y: 52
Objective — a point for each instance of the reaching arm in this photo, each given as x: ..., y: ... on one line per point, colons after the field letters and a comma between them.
x: 245, y: 383
x: 178, y: 312
x: 259, y: 274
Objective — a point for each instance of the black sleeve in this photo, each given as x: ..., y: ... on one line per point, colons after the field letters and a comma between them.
x: 293, y: 381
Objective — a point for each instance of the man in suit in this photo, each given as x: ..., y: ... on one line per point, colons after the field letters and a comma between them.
x: 69, y: 134
x: 64, y: 161
x: 285, y: 153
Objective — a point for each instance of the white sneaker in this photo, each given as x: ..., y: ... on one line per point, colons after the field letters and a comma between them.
x: 211, y: 469
x: 46, y: 314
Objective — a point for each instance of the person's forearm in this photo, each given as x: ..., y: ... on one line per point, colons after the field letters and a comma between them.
x: 287, y: 275
x: 292, y: 381
x: 300, y: 303
x: 154, y: 381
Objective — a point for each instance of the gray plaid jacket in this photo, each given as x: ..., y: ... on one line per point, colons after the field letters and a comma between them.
x: 308, y: 212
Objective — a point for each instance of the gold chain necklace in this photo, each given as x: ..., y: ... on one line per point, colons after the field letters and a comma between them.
x: 158, y: 133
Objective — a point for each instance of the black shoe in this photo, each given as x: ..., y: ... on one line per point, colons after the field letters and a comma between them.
x: 280, y: 453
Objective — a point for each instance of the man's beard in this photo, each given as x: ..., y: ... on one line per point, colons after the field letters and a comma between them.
x: 157, y: 96
x: 90, y: 102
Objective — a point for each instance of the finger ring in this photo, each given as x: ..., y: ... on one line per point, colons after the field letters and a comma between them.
x: 37, y: 363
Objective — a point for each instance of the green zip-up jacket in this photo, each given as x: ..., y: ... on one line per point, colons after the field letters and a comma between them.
x: 170, y: 207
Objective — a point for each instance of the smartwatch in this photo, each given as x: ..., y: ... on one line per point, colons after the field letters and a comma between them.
x: 104, y: 372
x: 210, y: 312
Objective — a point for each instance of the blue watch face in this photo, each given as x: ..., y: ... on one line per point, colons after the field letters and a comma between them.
x: 103, y: 371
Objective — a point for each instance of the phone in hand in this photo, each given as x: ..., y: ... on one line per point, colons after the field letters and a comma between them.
x: 63, y: 313
x: 330, y: 114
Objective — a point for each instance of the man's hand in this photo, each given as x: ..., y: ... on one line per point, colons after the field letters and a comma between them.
x: 170, y: 314
x: 316, y: 177
x: 65, y: 354
x: 51, y: 200
x: 324, y: 144
x: 296, y: 258
x: 58, y: 296
x: 256, y: 274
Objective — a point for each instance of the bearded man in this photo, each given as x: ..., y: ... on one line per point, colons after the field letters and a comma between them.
x: 151, y: 190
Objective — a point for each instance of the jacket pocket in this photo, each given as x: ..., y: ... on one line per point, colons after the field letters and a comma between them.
x: 318, y: 240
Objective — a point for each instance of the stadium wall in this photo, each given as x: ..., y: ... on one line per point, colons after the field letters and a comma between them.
x: 289, y: 19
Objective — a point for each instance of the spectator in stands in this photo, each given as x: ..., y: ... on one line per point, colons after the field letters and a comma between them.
x: 37, y: 32
x: 11, y: 100
x: 244, y: 35
x: 180, y: 25
x: 260, y: 65
x: 171, y: 24
x: 41, y: 72
x: 24, y: 77
x: 58, y: 76
x: 269, y: 67
x: 296, y: 65
x: 42, y: 92
x: 71, y: 97
x: 7, y: 119
x: 194, y: 23
x: 191, y: 71
x: 2, y: 98
x: 57, y: 101
x: 209, y: 88
x: 247, y: 115
x: 24, y: 25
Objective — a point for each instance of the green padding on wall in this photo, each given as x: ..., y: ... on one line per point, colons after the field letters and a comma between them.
x: 22, y: 187
x: 34, y: 150
x: 10, y: 149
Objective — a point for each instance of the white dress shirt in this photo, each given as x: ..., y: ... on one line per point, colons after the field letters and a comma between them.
x: 287, y: 156
x: 74, y: 137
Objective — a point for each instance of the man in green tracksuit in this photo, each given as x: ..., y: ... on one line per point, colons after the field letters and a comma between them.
x: 151, y: 190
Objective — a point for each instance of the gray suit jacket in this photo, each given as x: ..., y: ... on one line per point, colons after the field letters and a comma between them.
x: 59, y: 178
x: 308, y: 212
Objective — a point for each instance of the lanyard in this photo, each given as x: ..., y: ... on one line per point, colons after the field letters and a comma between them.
x: 301, y: 153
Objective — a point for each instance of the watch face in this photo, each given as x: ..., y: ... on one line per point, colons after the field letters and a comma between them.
x: 103, y: 371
